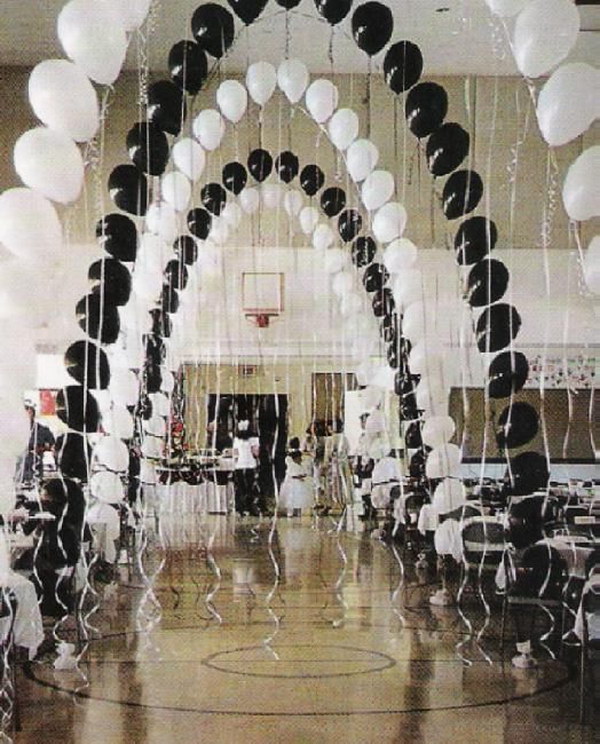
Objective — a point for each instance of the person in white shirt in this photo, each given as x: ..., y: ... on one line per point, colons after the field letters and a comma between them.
x: 245, y: 453
x: 297, y: 489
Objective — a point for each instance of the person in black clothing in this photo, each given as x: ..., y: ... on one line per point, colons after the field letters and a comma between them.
x: 41, y: 440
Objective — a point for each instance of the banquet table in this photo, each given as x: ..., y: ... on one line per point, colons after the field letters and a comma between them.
x: 28, y: 630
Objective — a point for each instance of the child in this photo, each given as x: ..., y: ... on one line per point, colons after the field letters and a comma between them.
x: 297, y: 490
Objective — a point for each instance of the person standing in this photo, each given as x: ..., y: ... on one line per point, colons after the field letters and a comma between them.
x: 41, y: 440
x: 245, y: 453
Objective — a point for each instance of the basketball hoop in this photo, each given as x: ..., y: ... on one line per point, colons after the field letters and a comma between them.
x: 261, y: 320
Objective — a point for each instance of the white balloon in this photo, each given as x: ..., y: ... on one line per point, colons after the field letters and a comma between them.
x: 389, y: 221
x: 152, y: 448
x: 132, y: 12
x: 351, y: 303
x: 545, y: 32
x: 591, y: 276
x: 93, y: 36
x: 334, y: 260
x: 189, y: 157
x: 272, y: 194
x: 343, y: 128
x: 361, y: 159
x: 147, y: 283
x: 261, y: 79
x: 591, y: 265
x: 106, y: 486
x: 168, y: 380
x: 292, y: 78
x: 323, y: 237
x: 156, y: 426
x: 581, y: 189
x: 250, y: 200
x: 29, y: 225
x: 309, y: 219
x: 321, y: 99
x: 342, y: 283
x: 161, y: 405
x: 112, y: 453
x: 400, y: 255
x: 568, y: 103
x: 153, y: 253
x: 377, y: 189
x: 438, y: 430
x: 292, y: 202
x: 408, y: 287
x: 443, y: 462
x: 208, y: 128
x: 432, y: 399
x: 232, y: 99
x: 232, y: 214
x: 161, y: 219
x: 119, y: 422
x: 449, y: 495
x: 147, y: 468
x: 425, y: 356
x: 219, y: 230
x: 506, y: 8
x: 176, y: 190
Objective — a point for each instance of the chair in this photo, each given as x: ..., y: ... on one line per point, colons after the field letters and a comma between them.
x: 590, y: 641
x: 8, y: 660
x: 531, y: 519
x: 483, y: 548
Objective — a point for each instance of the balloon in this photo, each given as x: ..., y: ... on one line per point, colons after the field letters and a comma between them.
x: 292, y: 78
x: 399, y: 255
x: 438, y: 430
x: 545, y: 32
x: 117, y: 234
x: 383, y: 302
x: 389, y: 221
x: 425, y: 108
x: 148, y: 147
x: 111, y: 280
x: 176, y: 190
x: 260, y: 164
x: 214, y: 198
x: 361, y: 158
x: 113, y: 454
x: 72, y: 456
x: 496, y: 327
x: 389, y: 328
x: 209, y: 128
x: 288, y: 4
x: 169, y: 300
x: 87, y: 364
x: 321, y: 99
x: 188, y: 66
x: 186, y: 249
x: 333, y: 200
x: 213, y: 28
x: 506, y: 8
x: 219, y: 233
x: 517, y: 425
x: 443, y: 462
x: 292, y: 203
x: 342, y: 283
x: 323, y: 237
x: 312, y: 179
x: 77, y: 408
x: 232, y: 99
x: 375, y: 277
x: 333, y: 11
x: 372, y: 26
x: 271, y: 194
x: 462, y: 193
x: 128, y: 188
x: 377, y: 188
x: 161, y: 322
x: 416, y: 321
x: 287, y: 166
x: 487, y: 282
x: 234, y: 177
x: 118, y: 422
x: 507, y: 374
x: 261, y: 79
x: 446, y: 148
x: 232, y: 214
x: 189, y: 158
x: 247, y: 10
x: 581, y: 189
x: 349, y: 224
x: 334, y: 260
x: 250, y: 200
x: 166, y: 106
x: 51, y: 163
x: 124, y: 386
x: 199, y: 223
x: 176, y: 275
x: 568, y: 103
x: 132, y: 12
x: 93, y: 36
x: 363, y: 251
x: 99, y: 320
x: 343, y: 128
x: 63, y: 98
x: 449, y: 495
x: 528, y: 472
x: 402, y: 66
x: 408, y: 287
x: 309, y: 219
x: 146, y: 283
x: 29, y: 225
x: 106, y: 486
x: 475, y: 238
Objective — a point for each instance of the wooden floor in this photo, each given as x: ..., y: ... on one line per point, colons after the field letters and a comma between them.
x: 238, y: 630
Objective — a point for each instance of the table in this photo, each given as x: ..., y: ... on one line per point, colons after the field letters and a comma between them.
x: 28, y: 629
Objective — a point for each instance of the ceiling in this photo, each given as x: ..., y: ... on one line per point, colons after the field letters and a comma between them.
x: 456, y: 37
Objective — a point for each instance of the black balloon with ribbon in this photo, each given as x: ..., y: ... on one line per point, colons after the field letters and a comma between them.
x: 128, y: 188
x: 77, y: 408
x: 176, y: 274
x: 73, y: 454
x: 98, y: 319
x: 188, y: 66
x: 372, y: 26
x: 388, y: 327
x: 333, y: 11
x: 152, y: 378
x: 402, y: 66
x: 312, y: 179
x: 169, y: 299
x: 143, y: 408
x: 487, y: 282
x: 287, y: 166
x: 517, y: 425
x: 213, y: 28
x: 383, y: 302
x: 425, y: 108
x: 214, y: 198
x: 496, y: 327
x: 88, y: 365
x: 349, y: 224
x: 148, y: 147
x: 161, y: 324
x: 462, y: 193
x: 260, y: 164
x: 412, y: 436
x: 333, y: 200
x: 110, y: 279
x: 234, y: 177
x: 446, y: 148
x: 166, y: 106
x: 199, y: 222
x: 375, y: 277
x: 117, y: 234
x: 528, y: 472
x: 155, y: 349
x: 288, y: 4
x: 247, y: 10
x: 363, y: 251
x: 507, y: 374
x: 475, y: 238
x: 393, y: 355
x: 186, y: 249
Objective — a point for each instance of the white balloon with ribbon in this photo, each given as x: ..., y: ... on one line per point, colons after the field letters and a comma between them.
x: 29, y: 224
x: 209, y: 128
x: 377, y: 189
x: 232, y: 99
x: 438, y: 430
x: 323, y: 237
x: 189, y: 158
x: 389, y: 221
x: 309, y: 219
x: 112, y: 453
x: 443, y: 462
x: 581, y: 189
x: 343, y: 128
x: 292, y: 202
x: 293, y: 78
x: 400, y: 255
x: 321, y: 99
x: 334, y: 260
x: 261, y: 79
x: 362, y: 157
x: 176, y: 190
x: 250, y: 200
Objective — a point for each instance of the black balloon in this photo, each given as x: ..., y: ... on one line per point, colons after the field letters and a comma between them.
x: 412, y: 437
x: 363, y: 251
x: 517, y: 425
x: 199, y: 222
x: 375, y: 277
x: 152, y: 379
x: 73, y: 455
x: 487, y: 282
x: 528, y: 472
x: 333, y: 200
x: 155, y: 350
x: 349, y: 224
x: 333, y: 11
x: 88, y: 365
x: 389, y: 327
x: 77, y: 408
x: 287, y: 166
x: 188, y: 66
x: 214, y: 197
x: 99, y: 320
x: 213, y: 28
x: 128, y: 188
x: 161, y: 323
x: 507, y: 374
x: 234, y: 177
x: 393, y: 355
x: 496, y: 327
x: 462, y: 193
x: 475, y: 238
x: 312, y: 179
x: 169, y: 299
x: 402, y: 66
x: 260, y: 164
x: 416, y: 466
x: 148, y: 147
x: 383, y: 302
x: 143, y: 408
x: 117, y: 234
x: 110, y: 279
x: 186, y: 249
x: 372, y: 26
x: 446, y: 148
x: 176, y: 274
x: 247, y: 10
x: 166, y: 106
x: 288, y: 4
x: 425, y: 108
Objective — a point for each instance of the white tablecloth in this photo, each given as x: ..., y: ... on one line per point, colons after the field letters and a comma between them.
x: 107, y: 518
x: 593, y: 620
x: 28, y: 629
